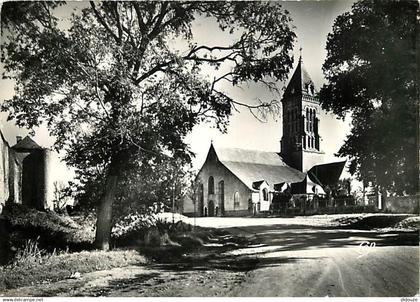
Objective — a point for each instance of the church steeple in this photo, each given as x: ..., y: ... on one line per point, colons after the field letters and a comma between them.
x: 301, y: 111
x: 301, y: 82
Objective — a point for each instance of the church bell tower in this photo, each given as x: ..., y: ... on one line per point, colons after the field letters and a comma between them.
x: 301, y: 142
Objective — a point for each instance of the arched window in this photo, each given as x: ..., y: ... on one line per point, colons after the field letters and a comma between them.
x: 311, y: 125
x: 222, y: 196
x: 211, y: 185
x: 236, y: 202
x: 306, y: 119
x: 265, y: 194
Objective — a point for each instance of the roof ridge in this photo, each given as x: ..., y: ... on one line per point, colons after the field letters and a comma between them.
x: 255, y: 150
x: 250, y: 162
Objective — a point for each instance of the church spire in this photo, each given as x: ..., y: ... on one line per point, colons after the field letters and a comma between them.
x: 301, y: 82
x: 300, y: 55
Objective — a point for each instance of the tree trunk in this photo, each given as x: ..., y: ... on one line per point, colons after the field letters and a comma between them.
x: 104, y: 211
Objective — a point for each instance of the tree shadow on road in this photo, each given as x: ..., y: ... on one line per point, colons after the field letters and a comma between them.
x: 300, y: 238
x: 241, y: 251
x: 162, y: 274
x: 244, y: 248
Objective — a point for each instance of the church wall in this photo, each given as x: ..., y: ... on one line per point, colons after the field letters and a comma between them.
x: 310, y: 159
x: 264, y: 204
x: 232, y: 185
x: 294, y: 160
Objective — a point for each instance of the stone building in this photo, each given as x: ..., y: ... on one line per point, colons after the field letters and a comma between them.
x: 6, y: 178
x: 235, y: 182
x: 25, y: 174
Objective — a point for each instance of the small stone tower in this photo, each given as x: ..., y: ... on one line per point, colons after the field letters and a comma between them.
x: 301, y: 143
x: 33, y: 175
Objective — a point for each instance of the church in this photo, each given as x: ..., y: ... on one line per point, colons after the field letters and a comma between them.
x: 239, y: 182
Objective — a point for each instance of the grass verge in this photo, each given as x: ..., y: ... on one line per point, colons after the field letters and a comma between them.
x: 38, y: 268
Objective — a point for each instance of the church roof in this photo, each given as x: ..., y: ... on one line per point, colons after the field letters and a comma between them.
x: 257, y: 184
x: 252, y: 166
x: 27, y: 143
x: 300, y: 82
x: 249, y: 156
x: 326, y: 174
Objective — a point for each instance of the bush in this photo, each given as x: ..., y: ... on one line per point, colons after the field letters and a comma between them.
x: 20, y: 225
x: 132, y: 223
x: 134, y: 228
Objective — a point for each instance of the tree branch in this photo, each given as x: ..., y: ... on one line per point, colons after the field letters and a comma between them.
x: 102, y: 21
x: 142, y: 25
x: 117, y: 18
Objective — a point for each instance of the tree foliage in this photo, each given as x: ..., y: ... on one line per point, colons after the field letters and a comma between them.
x: 121, y: 84
x: 372, y: 73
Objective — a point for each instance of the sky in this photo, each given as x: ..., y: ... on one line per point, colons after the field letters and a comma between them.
x: 313, y: 21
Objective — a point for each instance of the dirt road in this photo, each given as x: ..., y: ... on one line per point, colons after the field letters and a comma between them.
x: 280, y: 260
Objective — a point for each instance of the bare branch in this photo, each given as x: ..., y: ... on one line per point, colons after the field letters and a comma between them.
x: 223, y: 77
x: 256, y: 116
x: 260, y: 107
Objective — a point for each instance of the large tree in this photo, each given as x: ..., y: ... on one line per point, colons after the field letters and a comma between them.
x: 120, y: 84
x: 372, y: 74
